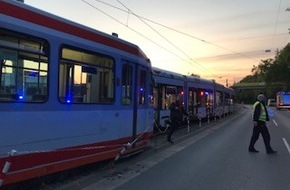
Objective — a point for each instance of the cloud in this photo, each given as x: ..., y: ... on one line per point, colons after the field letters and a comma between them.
x: 251, y: 55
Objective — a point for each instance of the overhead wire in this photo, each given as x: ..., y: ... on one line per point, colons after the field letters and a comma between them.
x: 147, y: 38
x: 163, y: 37
x: 275, y: 25
x: 129, y: 11
x: 180, y: 32
x: 126, y: 25
x: 143, y: 19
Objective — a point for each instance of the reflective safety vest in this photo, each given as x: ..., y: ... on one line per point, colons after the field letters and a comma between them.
x: 263, y: 115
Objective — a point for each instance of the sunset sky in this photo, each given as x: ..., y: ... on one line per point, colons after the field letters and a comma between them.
x: 216, y: 39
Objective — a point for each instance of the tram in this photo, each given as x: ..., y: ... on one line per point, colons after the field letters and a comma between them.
x: 201, y: 98
x: 69, y: 95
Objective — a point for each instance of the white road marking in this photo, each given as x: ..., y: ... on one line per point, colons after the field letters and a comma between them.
x: 286, y: 144
x: 275, y: 122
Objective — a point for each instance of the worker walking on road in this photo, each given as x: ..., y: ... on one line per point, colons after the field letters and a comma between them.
x: 260, y: 116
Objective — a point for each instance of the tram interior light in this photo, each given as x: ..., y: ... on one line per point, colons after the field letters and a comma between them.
x: 202, y: 93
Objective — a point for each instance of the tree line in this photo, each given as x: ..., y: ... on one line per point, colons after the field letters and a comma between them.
x: 274, y: 72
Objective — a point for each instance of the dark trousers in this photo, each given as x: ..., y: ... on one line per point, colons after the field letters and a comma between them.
x: 261, y: 128
x: 171, y: 129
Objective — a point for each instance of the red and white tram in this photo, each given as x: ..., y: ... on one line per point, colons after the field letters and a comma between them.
x: 69, y: 95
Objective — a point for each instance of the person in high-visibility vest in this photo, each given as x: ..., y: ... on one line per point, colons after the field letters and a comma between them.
x: 260, y: 116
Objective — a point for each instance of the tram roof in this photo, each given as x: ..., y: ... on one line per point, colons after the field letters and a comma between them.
x: 39, y: 17
x: 167, y: 74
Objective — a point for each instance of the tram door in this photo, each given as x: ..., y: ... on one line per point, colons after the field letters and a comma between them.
x: 135, y: 91
x: 142, y: 112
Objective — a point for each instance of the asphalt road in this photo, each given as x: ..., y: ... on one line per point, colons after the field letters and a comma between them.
x: 214, y: 159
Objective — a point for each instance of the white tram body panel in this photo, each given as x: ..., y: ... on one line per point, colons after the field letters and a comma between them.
x: 47, y: 130
x: 70, y: 111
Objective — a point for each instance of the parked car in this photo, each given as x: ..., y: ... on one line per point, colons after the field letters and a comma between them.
x: 271, y: 102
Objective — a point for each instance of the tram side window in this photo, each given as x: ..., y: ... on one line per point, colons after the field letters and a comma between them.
x: 127, y: 78
x: 156, y: 97
x: 228, y: 99
x: 23, y: 68
x: 169, y: 95
x: 218, y: 98
x: 85, y: 77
